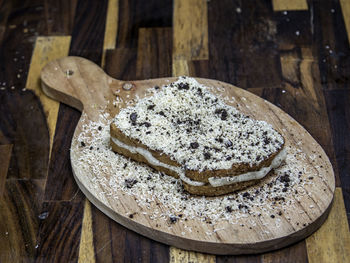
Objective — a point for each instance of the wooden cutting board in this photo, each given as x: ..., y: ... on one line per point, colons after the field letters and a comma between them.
x: 85, y: 86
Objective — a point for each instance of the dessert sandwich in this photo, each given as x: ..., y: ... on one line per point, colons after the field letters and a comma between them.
x: 185, y: 131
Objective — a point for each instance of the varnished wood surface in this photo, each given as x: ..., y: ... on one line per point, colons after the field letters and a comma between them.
x: 90, y: 90
x: 295, y: 57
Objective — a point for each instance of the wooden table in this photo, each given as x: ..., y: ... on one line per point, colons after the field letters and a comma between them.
x: 295, y: 54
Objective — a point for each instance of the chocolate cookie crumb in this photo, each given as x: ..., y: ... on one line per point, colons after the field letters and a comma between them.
x: 162, y: 113
x: 228, y: 143
x: 173, y: 219
x: 246, y: 194
x: 147, y: 124
x: 133, y: 117
x: 223, y: 114
x: 207, y: 155
x: 183, y: 86
x: 194, y: 145
x: 151, y: 107
x: 129, y: 183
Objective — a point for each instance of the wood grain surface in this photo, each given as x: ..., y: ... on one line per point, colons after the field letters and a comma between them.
x: 285, y: 5
x: 247, y: 42
x: 84, y: 86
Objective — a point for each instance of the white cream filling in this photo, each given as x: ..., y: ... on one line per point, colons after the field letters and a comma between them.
x: 276, y: 162
x: 214, y: 181
x: 149, y: 157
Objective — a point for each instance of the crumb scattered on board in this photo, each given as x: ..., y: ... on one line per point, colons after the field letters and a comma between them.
x: 272, y: 198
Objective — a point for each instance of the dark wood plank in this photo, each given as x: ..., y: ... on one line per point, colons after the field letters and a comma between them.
x: 136, y: 14
x: 60, y: 181
x: 332, y: 44
x: 154, y: 53
x: 21, y: 113
x: 19, y: 216
x: 294, y: 27
x: 5, y: 9
x: 199, y: 68
x: 3, y: 139
x: 296, y: 253
x: 59, y: 232
x: 239, y: 259
x: 5, y: 156
x: 115, y: 243
x: 88, y: 30
x: 121, y: 63
x: 60, y: 16
x: 339, y: 115
x: 243, y: 51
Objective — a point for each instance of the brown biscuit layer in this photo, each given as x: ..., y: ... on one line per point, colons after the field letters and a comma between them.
x: 209, y: 190
x: 203, y: 176
x: 234, y: 171
x: 206, y: 189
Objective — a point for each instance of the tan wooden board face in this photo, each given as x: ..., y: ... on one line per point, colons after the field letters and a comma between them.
x: 83, y: 85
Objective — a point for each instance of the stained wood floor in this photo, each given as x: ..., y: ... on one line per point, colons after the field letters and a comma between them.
x: 295, y: 54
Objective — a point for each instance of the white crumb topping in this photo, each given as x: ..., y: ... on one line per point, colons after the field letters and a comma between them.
x: 197, y: 129
x: 113, y: 175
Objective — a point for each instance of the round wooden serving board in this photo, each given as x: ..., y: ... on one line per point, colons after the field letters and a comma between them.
x: 85, y: 86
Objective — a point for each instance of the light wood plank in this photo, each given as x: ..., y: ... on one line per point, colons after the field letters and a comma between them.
x: 86, y: 247
x: 190, y: 34
x: 182, y: 256
x: 331, y: 243
x: 345, y: 8
x: 5, y: 157
x: 180, y: 68
x: 45, y: 50
x: 111, y: 25
x: 289, y: 5
x: 111, y: 29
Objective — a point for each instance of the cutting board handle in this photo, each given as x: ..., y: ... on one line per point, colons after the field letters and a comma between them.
x: 77, y: 82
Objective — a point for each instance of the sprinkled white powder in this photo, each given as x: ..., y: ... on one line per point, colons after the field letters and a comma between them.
x: 197, y: 129
x: 274, y: 193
